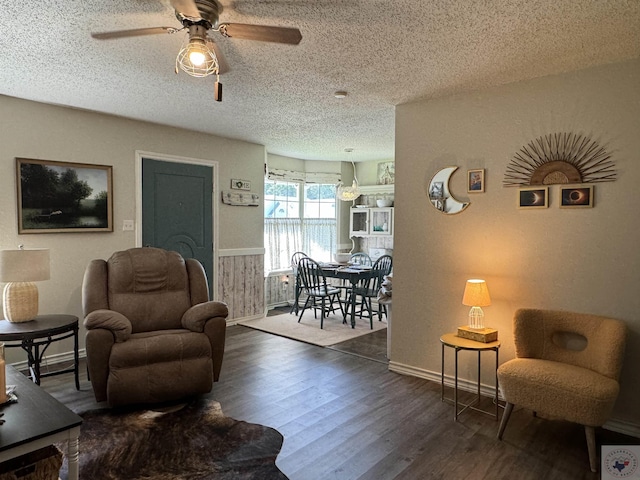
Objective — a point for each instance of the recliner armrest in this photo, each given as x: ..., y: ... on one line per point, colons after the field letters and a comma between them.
x: 195, y: 318
x: 118, y: 324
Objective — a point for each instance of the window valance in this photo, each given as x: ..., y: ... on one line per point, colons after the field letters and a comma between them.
x: 304, y: 177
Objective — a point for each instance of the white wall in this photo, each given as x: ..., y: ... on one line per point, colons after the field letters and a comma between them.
x: 583, y: 260
x: 38, y: 131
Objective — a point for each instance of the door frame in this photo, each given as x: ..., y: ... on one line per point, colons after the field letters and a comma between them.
x: 214, y: 164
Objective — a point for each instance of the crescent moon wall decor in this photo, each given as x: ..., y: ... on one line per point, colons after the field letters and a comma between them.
x: 441, y: 197
x: 560, y: 158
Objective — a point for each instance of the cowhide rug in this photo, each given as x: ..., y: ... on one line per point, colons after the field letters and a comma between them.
x: 194, y: 441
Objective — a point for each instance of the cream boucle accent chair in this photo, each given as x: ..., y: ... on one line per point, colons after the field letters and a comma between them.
x: 557, y: 374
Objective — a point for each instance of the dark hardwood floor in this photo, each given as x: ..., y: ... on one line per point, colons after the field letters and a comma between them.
x: 346, y: 417
x: 372, y: 346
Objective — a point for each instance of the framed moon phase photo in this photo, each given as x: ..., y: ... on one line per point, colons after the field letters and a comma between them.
x: 577, y: 196
x: 534, y: 197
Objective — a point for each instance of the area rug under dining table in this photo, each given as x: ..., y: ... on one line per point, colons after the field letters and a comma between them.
x: 308, y: 329
x: 193, y: 441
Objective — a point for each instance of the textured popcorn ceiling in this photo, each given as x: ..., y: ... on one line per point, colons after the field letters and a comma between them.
x: 383, y: 53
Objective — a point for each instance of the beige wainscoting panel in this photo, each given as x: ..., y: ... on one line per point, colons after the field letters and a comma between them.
x: 279, y: 288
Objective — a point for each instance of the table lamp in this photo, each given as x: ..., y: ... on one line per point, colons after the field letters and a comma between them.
x: 20, y: 268
x: 476, y: 296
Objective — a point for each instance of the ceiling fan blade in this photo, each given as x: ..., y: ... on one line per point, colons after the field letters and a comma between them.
x: 223, y: 66
x: 187, y: 8
x: 262, y: 33
x: 133, y: 33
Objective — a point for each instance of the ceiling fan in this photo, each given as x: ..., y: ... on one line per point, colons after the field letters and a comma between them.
x: 199, y: 55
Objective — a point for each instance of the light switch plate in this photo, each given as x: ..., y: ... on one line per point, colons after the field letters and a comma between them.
x: 238, y: 184
x: 127, y: 225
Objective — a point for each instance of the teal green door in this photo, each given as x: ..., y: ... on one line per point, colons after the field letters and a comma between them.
x: 177, y: 210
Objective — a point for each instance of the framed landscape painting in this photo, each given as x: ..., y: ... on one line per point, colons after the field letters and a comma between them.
x: 55, y: 197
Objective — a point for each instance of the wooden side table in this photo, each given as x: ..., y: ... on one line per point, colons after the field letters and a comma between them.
x: 42, y: 332
x: 458, y: 343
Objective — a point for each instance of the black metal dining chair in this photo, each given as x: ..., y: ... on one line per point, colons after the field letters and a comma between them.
x: 369, y: 287
x: 360, y: 258
x: 320, y: 295
x: 295, y: 259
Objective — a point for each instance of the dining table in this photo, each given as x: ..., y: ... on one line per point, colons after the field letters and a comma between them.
x: 354, y: 274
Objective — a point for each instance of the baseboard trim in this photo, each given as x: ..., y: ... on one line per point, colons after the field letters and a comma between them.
x: 626, y: 428
x: 449, y: 381
x: 271, y: 306
x: 235, y: 321
x: 614, y: 424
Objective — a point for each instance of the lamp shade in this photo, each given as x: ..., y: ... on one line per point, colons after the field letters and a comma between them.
x: 24, y: 265
x: 20, y: 268
x: 476, y: 294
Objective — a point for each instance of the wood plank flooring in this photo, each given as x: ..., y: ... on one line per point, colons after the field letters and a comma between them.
x: 372, y: 346
x: 346, y: 417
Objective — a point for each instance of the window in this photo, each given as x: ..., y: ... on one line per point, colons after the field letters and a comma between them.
x: 298, y: 217
x: 281, y: 199
x: 319, y: 201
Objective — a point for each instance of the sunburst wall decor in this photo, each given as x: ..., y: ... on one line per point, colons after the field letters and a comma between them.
x: 560, y: 158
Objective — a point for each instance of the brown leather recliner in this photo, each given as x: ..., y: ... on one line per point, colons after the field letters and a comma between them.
x: 152, y: 333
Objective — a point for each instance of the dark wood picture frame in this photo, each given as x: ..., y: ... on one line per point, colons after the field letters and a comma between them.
x: 63, y: 197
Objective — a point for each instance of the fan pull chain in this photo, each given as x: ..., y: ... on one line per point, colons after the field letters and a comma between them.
x: 217, y: 92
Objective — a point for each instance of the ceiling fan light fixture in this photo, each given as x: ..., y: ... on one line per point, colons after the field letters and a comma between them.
x: 197, y: 57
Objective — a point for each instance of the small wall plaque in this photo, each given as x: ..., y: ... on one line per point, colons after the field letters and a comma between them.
x: 238, y: 184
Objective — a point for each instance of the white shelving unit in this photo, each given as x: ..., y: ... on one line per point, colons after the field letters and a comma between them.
x: 371, y: 221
